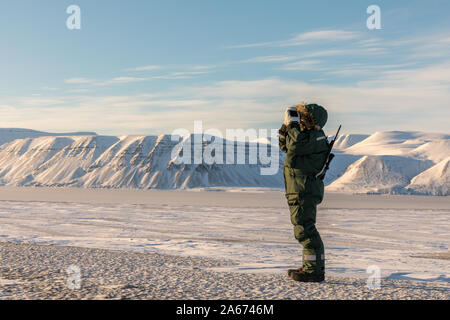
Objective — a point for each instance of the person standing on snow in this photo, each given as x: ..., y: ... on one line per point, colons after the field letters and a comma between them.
x: 307, y: 149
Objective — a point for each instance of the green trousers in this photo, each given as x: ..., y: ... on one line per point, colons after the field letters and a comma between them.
x: 308, y: 193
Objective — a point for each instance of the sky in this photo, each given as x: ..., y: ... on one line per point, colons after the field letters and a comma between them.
x: 150, y: 67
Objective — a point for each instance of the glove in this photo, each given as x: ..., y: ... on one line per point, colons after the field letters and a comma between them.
x: 282, y: 133
x: 293, y: 124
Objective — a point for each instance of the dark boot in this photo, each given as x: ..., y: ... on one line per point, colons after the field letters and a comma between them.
x: 291, y: 271
x: 302, y: 276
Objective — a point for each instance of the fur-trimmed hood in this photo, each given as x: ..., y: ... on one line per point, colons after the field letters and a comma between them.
x: 312, y: 115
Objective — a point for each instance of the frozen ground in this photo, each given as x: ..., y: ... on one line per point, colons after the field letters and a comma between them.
x: 40, y: 272
x: 247, y: 236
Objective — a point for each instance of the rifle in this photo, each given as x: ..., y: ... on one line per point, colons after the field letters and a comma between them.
x: 330, y: 156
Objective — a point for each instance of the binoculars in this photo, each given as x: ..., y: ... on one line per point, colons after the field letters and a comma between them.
x: 291, y: 115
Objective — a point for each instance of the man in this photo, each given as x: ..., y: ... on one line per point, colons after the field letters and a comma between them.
x: 306, y: 148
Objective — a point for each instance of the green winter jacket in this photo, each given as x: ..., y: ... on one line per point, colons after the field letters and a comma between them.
x: 306, y: 150
x: 306, y: 153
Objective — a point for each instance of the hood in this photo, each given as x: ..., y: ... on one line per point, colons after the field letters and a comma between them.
x: 314, y: 113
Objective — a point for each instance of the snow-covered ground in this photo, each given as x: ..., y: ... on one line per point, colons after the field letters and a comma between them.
x: 405, y: 236
x: 31, y: 271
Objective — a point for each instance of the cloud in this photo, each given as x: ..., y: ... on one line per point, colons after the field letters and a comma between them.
x: 368, y: 43
x: 39, y: 101
x: 270, y: 59
x: 119, y: 80
x: 78, y: 90
x: 180, y: 75
x: 389, y: 93
x: 364, y: 108
x: 424, y: 47
x: 79, y: 81
x: 188, y: 68
x: 303, y: 65
x: 202, y: 67
x: 145, y: 68
x: 350, y: 51
x: 334, y: 35
x: 416, y: 82
x: 393, y: 101
x: 305, y: 38
x: 189, y: 72
x: 95, y: 82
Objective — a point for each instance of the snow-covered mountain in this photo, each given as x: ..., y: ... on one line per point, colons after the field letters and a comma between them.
x: 379, y: 174
x: 434, y: 181
x: 396, y: 143
x: 396, y: 162
x: 120, y: 162
x: 10, y: 134
x: 385, y: 162
x: 348, y: 140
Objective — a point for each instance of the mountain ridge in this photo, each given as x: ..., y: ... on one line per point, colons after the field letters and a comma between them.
x: 398, y: 162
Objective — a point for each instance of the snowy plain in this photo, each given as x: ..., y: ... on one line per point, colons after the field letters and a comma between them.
x: 407, y: 237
